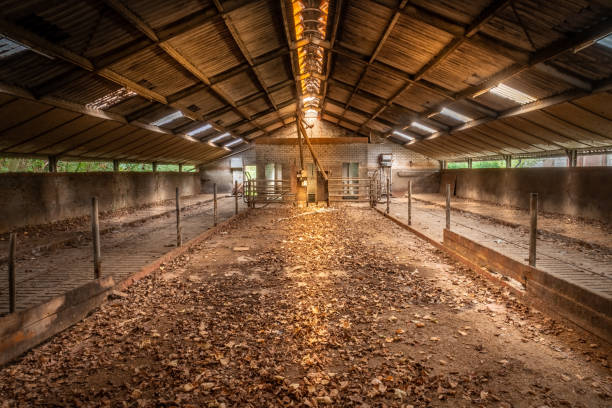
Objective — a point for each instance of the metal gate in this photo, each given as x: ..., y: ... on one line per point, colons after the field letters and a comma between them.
x: 267, y: 191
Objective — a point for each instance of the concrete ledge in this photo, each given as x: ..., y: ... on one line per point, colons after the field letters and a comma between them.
x: 21, y: 331
x: 586, y: 308
x: 560, y: 298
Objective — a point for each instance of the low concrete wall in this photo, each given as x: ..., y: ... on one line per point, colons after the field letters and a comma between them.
x: 581, y: 191
x: 583, y: 307
x: 30, y: 199
x: 21, y: 331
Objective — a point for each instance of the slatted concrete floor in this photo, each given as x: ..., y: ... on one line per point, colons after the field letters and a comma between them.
x: 124, y: 251
x: 591, y: 269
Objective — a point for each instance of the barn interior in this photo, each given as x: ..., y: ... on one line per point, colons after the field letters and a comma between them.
x: 306, y: 203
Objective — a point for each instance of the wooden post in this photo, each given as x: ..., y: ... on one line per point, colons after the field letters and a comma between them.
x: 115, y: 165
x: 410, y: 202
x: 215, y: 204
x: 52, y: 164
x: 180, y: 167
x: 11, y: 274
x: 388, y: 192
x: 469, y: 163
x: 179, y: 229
x: 236, y: 194
x: 95, y: 232
x: 508, y: 161
x: 154, y: 167
x: 533, y: 227
x: 448, y: 206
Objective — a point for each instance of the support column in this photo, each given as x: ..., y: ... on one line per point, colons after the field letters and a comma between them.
x: 442, y: 164
x: 12, y: 289
x: 215, y: 204
x: 448, y: 195
x: 533, y: 227
x: 179, y: 229
x: 95, y: 232
x: 236, y: 197
x: 388, y: 193
x: 572, y: 155
x: 52, y: 164
x: 469, y: 163
x: 410, y: 202
x: 115, y: 165
x: 154, y: 164
x: 508, y: 159
x: 180, y: 167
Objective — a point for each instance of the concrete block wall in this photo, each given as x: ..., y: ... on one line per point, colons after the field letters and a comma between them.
x: 31, y: 199
x: 579, y: 191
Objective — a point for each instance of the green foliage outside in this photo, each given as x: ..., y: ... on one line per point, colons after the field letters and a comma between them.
x: 457, y: 165
x: 489, y: 164
x: 20, y: 165
x: 26, y: 165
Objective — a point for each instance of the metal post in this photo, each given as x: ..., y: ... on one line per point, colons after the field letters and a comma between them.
x: 533, y: 227
x: 215, y: 204
x: 179, y: 229
x: 11, y: 273
x: 410, y: 202
x: 448, y: 206
x: 388, y: 193
x: 95, y: 232
x: 236, y: 194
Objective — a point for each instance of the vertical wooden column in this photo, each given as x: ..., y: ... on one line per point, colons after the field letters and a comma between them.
x: 115, y: 165
x: 154, y: 166
x: 508, y: 161
x: 215, y: 204
x: 533, y: 227
x: 179, y: 228
x: 52, y: 164
x: 180, y: 167
x: 236, y: 197
x: 448, y: 196
x: 12, y: 289
x: 410, y: 202
x: 95, y: 232
x: 469, y: 162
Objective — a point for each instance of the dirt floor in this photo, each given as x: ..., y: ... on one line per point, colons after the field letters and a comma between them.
x: 314, y: 308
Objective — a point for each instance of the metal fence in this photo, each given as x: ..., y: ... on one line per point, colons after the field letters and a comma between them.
x: 350, y: 189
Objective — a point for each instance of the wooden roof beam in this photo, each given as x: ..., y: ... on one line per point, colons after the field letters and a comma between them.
x: 381, y: 43
x: 461, y: 35
x: 332, y: 41
x: 245, y: 52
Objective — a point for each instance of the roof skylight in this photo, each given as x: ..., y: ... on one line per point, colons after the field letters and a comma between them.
x: 423, y: 127
x: 168, y: 118
x: 455, y: 115
x: 110, y: 99
x: 199, y: 130
x: 9, y: 47
x: 403, y: 135
x: 606, y: 41
x: 513, y: 94
x: 219, y: 137
x: 233, y: 142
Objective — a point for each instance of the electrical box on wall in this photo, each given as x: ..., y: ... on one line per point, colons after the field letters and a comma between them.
x: 385, y: 159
